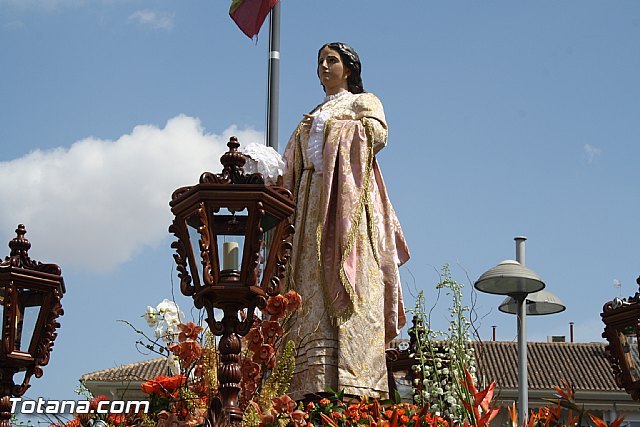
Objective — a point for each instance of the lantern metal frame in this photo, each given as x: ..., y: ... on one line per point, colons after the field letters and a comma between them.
x: 26, y: 283
x: 267, y: 224
x: 622, y: 318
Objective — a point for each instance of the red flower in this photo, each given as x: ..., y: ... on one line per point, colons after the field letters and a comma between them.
x: 250, y: 370
x: 276, y: 306
x: 255, y: 339
x: 189, y: 331
x: 163, y: 385
x: 266, y: 355
x: 93, y: 403
x: 188, y: 352
x: 168, y: 419
x: 116, y: 419
x: 272, y: 330
x: 298, y: 418
x: 284, y: 404
x: 294, y: 300
x: 267, y: 419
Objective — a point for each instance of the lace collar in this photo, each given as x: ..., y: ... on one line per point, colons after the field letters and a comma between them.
x: 335, y: 96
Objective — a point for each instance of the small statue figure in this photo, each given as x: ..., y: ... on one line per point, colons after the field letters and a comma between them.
x: 348, y: 243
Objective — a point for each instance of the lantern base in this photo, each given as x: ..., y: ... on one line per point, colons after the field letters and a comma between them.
x: 230, y: 275
x: 229, y: 294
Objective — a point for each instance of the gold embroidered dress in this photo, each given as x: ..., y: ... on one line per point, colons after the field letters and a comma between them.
x: 347, y: 248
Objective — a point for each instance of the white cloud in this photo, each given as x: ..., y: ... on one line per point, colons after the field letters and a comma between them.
x: 98, y: 203
x: 153, y: 19
x: 591, y: 152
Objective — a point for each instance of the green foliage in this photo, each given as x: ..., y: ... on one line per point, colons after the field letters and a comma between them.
x: 443, y: 356
x: 280, y: 379
x: 276, y: 385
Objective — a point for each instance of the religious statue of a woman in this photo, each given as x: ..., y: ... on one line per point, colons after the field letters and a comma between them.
x: 348, y: 243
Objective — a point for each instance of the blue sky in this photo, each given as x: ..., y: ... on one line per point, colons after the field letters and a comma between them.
x: 506, y: 118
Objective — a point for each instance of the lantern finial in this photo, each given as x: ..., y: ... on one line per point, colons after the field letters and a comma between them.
x: 20, y: 245
x: 19, y: 255
x: 233, y: 160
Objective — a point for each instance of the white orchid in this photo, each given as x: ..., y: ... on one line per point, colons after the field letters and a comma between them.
x: 168, y: 306
x: 165, y: 318
x: 159, y: 331
x: 151, y: 316
x: 174, y: 364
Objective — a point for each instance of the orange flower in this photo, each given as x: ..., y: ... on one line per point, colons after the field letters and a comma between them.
x: 255, y: 339
x: 513, y: 414
x: 272, y: 330
x: 167, y: 419
x: 73, y: 423
x: 283, y: 404
x: 163, y: 385
x: 187, y: 351
x: 276, y: 306
x: 326, y: 421
x: 267, y: 419
x: 93, y: 403
x: 250, y: 370
x: 116, y: 419
x: 294, y: 300
x: 189, y: 331
x: 324, y: 402
x: 298, y: 417
x: 266, y: 355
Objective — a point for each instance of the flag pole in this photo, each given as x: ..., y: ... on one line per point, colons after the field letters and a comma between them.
x: 273, y: 86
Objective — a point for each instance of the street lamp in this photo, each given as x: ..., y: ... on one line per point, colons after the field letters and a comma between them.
x: 622, y: 331
x: 538, y: 304
x: 236, y: 215
x: 525, y: 296
x: 30, y: 294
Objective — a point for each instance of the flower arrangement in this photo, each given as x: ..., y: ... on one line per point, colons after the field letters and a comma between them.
x: 445, y: 388
x: 444, y: 374
x: 182, y: 398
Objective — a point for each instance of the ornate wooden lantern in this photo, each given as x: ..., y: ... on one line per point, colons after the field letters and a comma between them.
x: 622, y: 330
x: 30, y: 294
x: 239, y: 216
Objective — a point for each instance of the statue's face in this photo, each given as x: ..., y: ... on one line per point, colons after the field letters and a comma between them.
x: 332, y: 71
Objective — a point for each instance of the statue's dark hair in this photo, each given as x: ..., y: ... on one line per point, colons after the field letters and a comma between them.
x: 352, y: 61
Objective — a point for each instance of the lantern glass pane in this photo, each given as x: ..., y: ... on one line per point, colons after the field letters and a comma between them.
x: 230, y: 226
x: 28, y: 310
x: 2, y: 298
x: 230, y: 249
x: 629, y: 344
x: 194, y: 239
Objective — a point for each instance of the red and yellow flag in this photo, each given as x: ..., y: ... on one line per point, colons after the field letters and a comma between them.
x: 250, y: 14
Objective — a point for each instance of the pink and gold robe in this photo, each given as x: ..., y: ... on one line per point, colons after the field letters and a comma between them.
x: 347, y: 249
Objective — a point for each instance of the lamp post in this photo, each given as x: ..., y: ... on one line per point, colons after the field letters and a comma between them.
x: 30, y: 294
x: 512, y: 278
x: 225, y: 208
x: 622, y: 331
